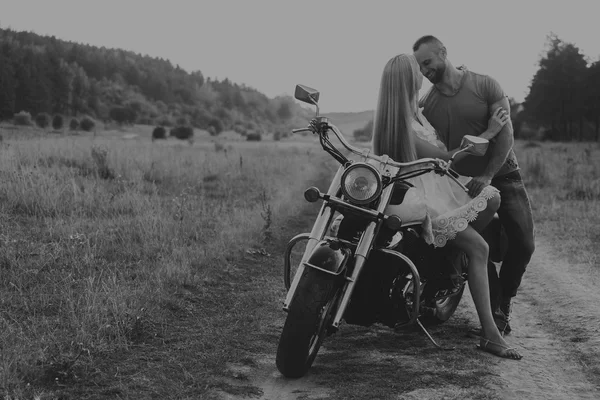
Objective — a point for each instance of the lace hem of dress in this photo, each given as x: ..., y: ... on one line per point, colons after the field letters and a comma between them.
x: 439, y: 230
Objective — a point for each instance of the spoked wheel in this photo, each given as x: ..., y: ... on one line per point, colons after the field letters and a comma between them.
x: 306, y: 326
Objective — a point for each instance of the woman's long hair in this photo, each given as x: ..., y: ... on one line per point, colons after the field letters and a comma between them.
x: 395, y: 108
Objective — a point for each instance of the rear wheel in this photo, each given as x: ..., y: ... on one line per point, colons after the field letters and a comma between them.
x: 444, y: 308
x: 309, y: 316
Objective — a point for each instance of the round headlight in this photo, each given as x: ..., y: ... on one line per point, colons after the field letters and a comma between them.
x: 361, y: 183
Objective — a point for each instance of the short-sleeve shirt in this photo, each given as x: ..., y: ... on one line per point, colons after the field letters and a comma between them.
x: 466, y: 113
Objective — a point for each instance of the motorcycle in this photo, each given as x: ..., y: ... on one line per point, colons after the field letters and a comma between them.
x: 360, y: 265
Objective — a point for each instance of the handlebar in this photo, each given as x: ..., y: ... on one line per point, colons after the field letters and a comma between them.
x: 368, y: 154
x: 443, y: 165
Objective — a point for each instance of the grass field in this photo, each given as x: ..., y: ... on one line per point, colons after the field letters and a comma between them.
x: 99, y: 238
x: 135, y: 267
x: 563, y: 180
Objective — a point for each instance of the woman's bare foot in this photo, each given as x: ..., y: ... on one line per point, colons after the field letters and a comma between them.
x: 498, y: 347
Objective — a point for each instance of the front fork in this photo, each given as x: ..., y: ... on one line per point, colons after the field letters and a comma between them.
x: 360, y: 255
x: 317, y: 233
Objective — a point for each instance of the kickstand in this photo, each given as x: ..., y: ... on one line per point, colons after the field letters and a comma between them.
x: 430, y: 338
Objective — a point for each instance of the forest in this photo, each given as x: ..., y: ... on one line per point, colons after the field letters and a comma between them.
x: 46, y: 75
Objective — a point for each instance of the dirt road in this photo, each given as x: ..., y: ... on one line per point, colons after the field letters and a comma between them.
x: 556, y: 325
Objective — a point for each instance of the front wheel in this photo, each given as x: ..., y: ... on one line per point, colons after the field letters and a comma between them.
x: 309, y: 315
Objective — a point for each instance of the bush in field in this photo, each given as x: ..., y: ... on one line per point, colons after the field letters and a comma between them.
x: 159, y: 133
x: 182, y: 132
x: 74, y: 124
x: 254, y: 137
x: 87, y: 124
x: 217, y: 124
x: 23, y: 118
x: 365, y: 134
x: 57, y: 122
x: 42, y: 120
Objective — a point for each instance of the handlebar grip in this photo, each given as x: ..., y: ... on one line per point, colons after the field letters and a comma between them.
x: 301, y: 130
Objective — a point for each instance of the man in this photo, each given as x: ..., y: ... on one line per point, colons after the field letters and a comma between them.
x: 460, y: 103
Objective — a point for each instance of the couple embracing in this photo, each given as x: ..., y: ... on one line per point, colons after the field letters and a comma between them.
x: 459, y: 103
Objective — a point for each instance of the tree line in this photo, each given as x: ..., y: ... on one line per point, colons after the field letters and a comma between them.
x: 42, y: 74
x: 564, y: 95
x: 563, y: 102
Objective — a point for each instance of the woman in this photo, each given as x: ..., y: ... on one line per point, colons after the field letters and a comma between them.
x: 449, y: 215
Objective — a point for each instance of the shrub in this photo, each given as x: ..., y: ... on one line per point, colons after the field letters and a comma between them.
x: 212, y: 131
x: 74, y: 124
x: 277, y: 136
x: 87, y: 124
x: 254, y: 137
x: 217, y: 124
x: 182, y: 132
x: 42, y: 120
x: 159, y: 133
x: 100, y: 157
x: 23, y: 118
x: 57, y: 122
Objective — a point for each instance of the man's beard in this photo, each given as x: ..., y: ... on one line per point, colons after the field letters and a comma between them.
x: 438, y: 75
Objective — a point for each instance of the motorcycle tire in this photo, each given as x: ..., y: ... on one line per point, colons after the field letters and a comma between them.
x: 444, y: 309
x: 309, y: 315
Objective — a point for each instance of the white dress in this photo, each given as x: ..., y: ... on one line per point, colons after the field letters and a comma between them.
x: 436, y: 202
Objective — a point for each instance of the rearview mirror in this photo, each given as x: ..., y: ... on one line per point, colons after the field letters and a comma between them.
x: 306, y: 94
x: 474, y: 145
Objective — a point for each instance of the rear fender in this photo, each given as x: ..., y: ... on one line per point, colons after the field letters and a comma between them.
x: 329, y: 256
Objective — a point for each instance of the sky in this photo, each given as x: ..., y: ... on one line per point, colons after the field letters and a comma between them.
x: 338, y: 47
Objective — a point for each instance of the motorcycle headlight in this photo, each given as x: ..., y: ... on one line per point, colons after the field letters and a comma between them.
x: 361, y: 183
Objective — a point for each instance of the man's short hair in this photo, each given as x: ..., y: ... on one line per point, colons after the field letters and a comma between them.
x: 425, y: 40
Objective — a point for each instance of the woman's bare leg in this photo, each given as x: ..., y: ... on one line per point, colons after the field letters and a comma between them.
x: 485, y: 217
x: 476, y: 249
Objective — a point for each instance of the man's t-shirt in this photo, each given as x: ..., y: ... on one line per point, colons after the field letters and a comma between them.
x: 466, y: 113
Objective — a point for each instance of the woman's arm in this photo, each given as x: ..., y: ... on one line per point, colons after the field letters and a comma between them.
x: 428, y: 150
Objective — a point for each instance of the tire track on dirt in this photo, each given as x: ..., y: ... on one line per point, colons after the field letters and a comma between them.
x: 555, y: 325
x: 556, y: 321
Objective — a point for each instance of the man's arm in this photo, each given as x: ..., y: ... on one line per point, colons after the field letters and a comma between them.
x: 502, y: 143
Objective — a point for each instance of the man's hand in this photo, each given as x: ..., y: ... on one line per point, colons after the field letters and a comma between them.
x: 477, y: 184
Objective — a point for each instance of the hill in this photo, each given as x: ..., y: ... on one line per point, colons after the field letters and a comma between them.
x: 42, y: 74
x: 348, y: 122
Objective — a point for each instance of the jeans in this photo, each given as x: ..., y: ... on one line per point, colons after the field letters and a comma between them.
x: 517, y: 219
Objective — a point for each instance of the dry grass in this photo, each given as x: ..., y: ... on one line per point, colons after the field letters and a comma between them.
x: 105, y: 242
x: 563, y: 180
x: 132, y: 269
